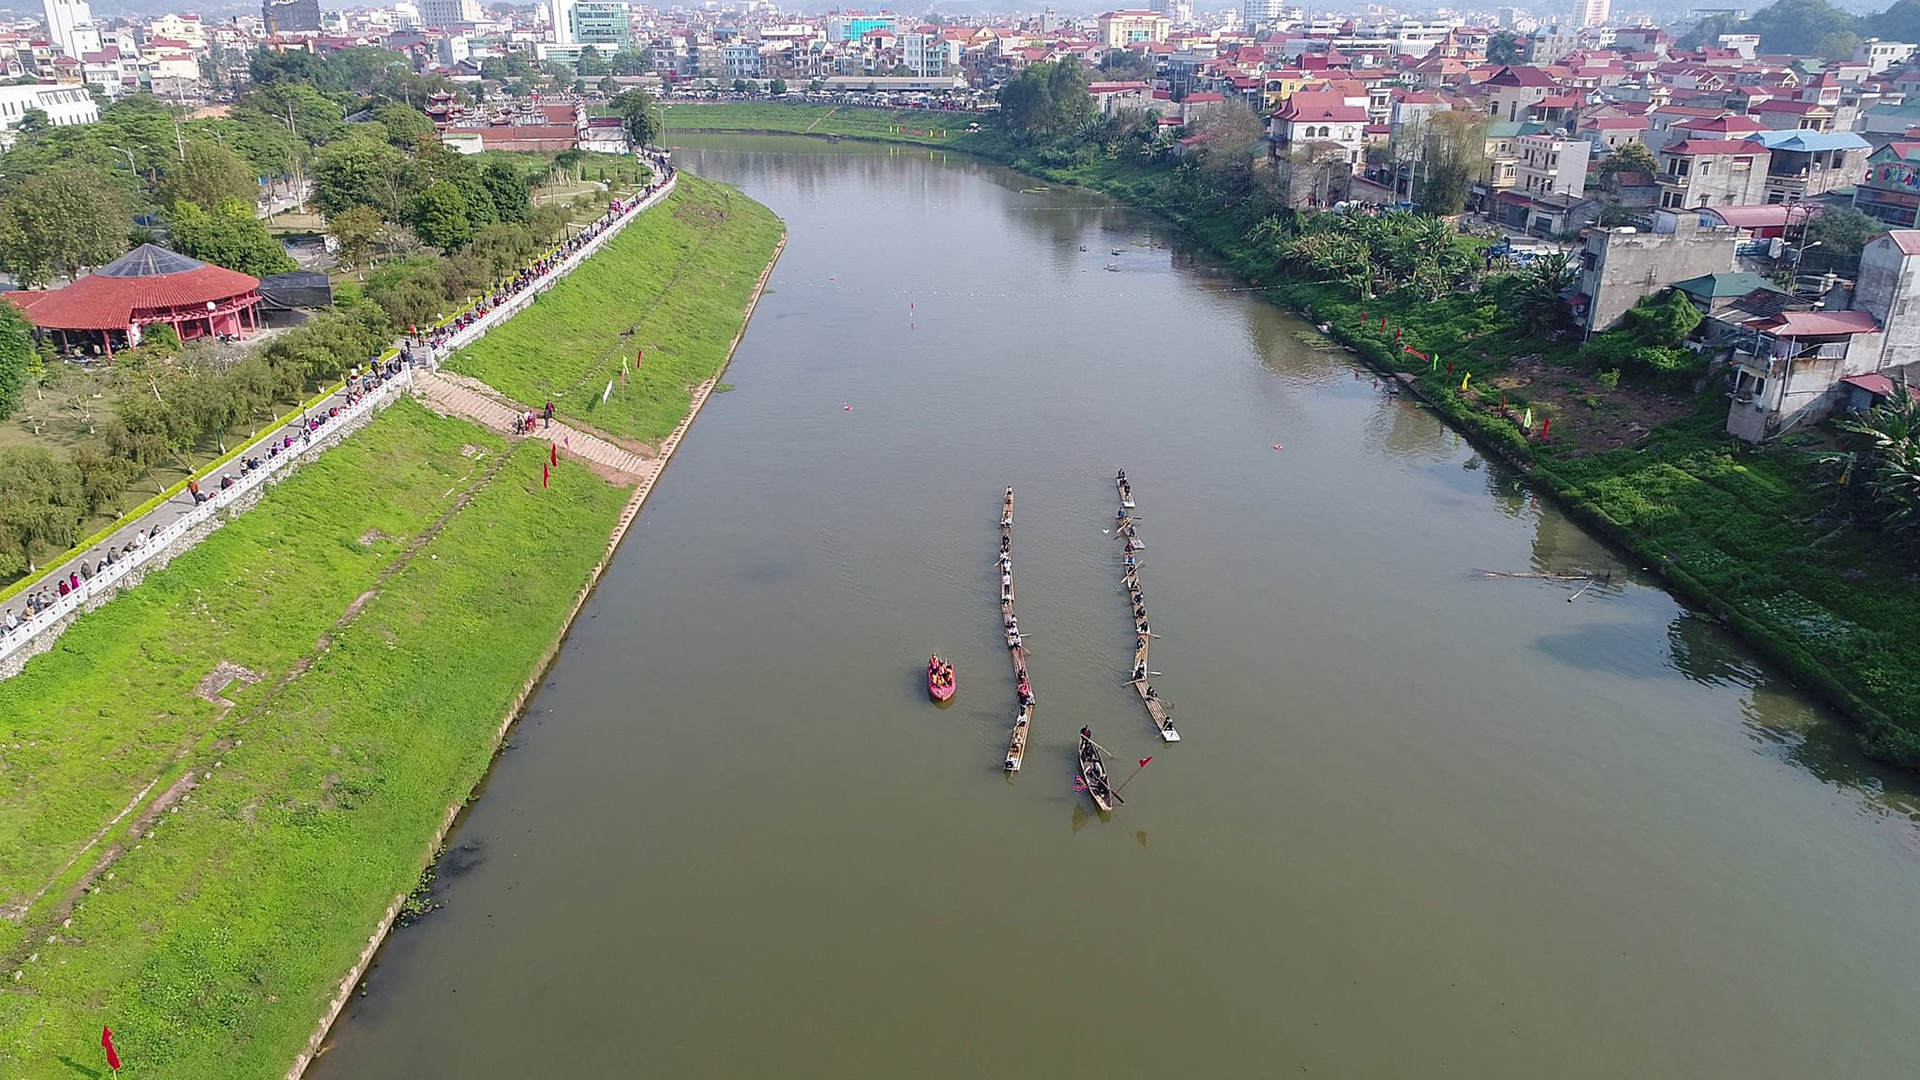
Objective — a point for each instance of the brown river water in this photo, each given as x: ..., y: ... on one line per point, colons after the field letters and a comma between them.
x: 1423, y: 822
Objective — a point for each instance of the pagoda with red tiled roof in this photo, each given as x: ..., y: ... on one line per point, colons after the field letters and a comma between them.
x: 148, y: 286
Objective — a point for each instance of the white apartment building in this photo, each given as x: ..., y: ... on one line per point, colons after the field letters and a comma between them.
x: 1551, y: 166
x: 448, y: 12
x: 1591, y: 12
x: 70, y: 25
x: 1880, y: 55
x: 65, y: 105
x: 1263, y: 13
x: 928, y: 55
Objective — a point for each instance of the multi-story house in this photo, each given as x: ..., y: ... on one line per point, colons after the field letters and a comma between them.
x: 1804, y: 164
x: 1315, y: 117
x: 1705, y: 172
x: 1890, y: 190
x: 1514, y: 90
x: 1551, y: 165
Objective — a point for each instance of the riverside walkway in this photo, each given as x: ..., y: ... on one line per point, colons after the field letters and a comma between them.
x: 457, y: 395
x: 158, y: 533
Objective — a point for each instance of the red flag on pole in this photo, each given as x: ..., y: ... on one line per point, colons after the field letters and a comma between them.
x: 1546, y: 427
x: 553, y: 454
x: 544, y: 473
x: 113, y: 1056
x: 1144, y: 760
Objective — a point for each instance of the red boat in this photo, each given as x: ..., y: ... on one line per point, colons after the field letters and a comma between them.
x: 940, y: 684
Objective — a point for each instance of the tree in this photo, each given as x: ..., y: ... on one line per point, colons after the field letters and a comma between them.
x: 442, y: 216
x: 1125, y: 64
x: 1877, y: 479
x: 54, y: 224
x: 494, y: 69
x: 1046, y: 100
x: 407, y: 127
x: 1898, y: 23
x: 34, y: 121
x: 1841, y: 231
x: 592, y: 64
x: 507, y: 189
x: 1838, y: 45
x: 359, y: 171
x: 631, y: 61
x: 1795, y: 26
x: 1503, y: 47
x: 637, y: 114
x: 229, y: 235
x: 1628, y: 157
x: 777, y: 87
x: 608, y: 86
x: 40, y: 501
x: 16, y: 358
x: 1537, y: 298
x: 359, y: 232
x: 1454, y: 156
x: 209, y: 174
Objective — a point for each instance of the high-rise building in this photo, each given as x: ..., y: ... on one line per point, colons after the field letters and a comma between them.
x: 449, y: 12
x: 290, y: 16
x: 70, y: 26
x: 599, y: 22
x: 1591, y: 12
x: 1259, y: 13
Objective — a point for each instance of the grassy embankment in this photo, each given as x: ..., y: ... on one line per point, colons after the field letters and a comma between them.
x: 200, y: 876
x: 1733, y: 528
x: 221, y: 933
x: 918, y: 126
x: 707, y: 235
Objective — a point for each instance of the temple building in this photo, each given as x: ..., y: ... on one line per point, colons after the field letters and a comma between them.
x: 148, y: 286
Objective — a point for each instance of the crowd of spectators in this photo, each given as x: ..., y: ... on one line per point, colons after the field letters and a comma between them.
x: 531, y: 276
x: 358, y: 385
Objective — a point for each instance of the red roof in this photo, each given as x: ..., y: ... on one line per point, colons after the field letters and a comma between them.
x: 1714, y: 146
x: 1872, y: 382
x: 1907, y: 240
x: 1817, y: 323
x: 128, y: 289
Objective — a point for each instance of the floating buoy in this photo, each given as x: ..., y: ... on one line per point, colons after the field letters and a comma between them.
x: 1276, y: 446
x: 849, y: 408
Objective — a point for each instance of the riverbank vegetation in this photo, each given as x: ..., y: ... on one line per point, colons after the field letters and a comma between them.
x: 1824, y: 588
x: 283, y: 716
x: 670, y: 289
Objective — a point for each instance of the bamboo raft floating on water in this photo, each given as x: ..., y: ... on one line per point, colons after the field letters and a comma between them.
x: 1023, y: 720
x: 1125, y: 529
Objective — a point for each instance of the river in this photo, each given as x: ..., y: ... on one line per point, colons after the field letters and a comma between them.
x: 1424, y: 822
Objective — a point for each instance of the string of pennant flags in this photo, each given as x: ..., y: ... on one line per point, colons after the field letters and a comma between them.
x: 1524, y: 421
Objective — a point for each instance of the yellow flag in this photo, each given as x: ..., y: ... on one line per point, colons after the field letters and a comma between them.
x: 1526, y: 422
x: 1463, y: 381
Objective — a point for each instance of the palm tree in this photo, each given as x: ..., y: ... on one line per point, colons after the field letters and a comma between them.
x: 1877, y: 479
x: 1537, y: 300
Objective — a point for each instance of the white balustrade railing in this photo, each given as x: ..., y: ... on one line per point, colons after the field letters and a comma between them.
x: 106, y: 581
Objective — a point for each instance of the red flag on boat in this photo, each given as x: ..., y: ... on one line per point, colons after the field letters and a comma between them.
x: 1144, y: 760
x: 113, y: 1056
x: 544, y: 473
